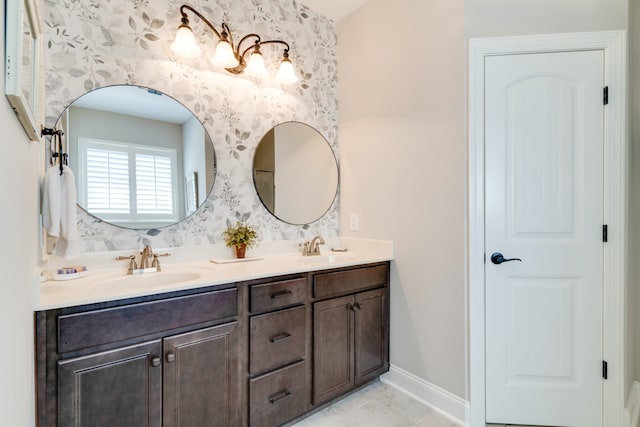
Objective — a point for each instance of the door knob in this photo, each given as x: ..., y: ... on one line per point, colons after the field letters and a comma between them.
x: 498, y: 258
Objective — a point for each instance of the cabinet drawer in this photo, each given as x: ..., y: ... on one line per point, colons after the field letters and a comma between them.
x: 277, y: 338
x: 347, y: 281
x: 277, y: 397
x: 270, y: 296
x: 99, y: 327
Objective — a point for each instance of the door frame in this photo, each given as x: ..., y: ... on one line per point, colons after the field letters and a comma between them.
x: 613, y: 44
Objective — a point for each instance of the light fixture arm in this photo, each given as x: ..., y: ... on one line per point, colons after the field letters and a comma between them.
x: 258, y: 43
x: 185, y: 20
x: 262, y: 43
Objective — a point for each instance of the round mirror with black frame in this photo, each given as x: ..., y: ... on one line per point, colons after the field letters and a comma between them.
x: 141, y: 159
x: 295, y: 173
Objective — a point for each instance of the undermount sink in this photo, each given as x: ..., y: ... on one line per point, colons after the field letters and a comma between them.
x: 321, y: 259
x: 160, y: 278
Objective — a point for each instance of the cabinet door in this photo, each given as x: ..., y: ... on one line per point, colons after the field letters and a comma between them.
x: 371, y: 335
x: 333, y: 355
x: 115, y: 388
x: 201, y: 380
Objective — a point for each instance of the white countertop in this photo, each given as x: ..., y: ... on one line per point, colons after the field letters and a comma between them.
x: 190, y: 268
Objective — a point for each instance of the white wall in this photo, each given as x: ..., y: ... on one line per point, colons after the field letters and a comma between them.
x: 401, y: 79
x: 19, y: 257
x: 484, y: 18
x: 632, y: 368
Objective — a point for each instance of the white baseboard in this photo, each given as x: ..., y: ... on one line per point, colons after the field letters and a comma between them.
x: 633, y: 405
x: 446, y: 403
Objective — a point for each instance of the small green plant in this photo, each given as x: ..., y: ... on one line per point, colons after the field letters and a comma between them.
x: 242, y: 234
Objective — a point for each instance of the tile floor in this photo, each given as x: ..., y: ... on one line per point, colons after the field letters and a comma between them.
x: 377, y: 405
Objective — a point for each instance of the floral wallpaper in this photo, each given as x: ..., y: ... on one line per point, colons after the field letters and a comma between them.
x: 91, y: 44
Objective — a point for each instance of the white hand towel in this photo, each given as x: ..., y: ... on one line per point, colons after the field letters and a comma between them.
x: 52, y: 189
x: 59, y: 210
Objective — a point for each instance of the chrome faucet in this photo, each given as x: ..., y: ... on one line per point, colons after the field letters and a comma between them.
x: 313, y: 247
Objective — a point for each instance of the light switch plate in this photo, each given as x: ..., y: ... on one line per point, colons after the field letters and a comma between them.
x: 354, y: 222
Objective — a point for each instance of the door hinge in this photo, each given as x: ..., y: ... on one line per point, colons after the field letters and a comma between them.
x: 605, y: 233
x: 605, y: 370
x: 606, y: 95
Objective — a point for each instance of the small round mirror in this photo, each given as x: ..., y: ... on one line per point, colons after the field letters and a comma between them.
x: 295, y: 173
x: 141, y: 159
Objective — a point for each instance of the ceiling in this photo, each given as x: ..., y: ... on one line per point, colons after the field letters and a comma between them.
x: 145, y: 103
x: 334, y: 9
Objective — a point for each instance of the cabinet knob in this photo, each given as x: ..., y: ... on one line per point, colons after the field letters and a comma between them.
x: 155, y: 362
x: 351, y: 307
x: 171, y: 357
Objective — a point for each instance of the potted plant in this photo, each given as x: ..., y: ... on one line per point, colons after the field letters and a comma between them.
x: 241, y: 236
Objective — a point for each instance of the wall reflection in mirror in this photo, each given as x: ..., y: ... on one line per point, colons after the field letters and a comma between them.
x: 141, y: 159
x: 295, y: 173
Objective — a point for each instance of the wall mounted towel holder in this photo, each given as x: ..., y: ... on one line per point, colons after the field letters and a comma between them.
x: 55, y: 148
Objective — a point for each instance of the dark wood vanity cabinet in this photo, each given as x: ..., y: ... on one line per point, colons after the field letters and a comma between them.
x: 351, y: 332
x: 261, y: 353
x: 174, y: 363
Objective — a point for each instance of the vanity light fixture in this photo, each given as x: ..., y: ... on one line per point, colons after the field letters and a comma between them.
x: 234, y: 58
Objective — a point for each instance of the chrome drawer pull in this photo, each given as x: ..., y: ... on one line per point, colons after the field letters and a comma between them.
x: 279, y: 396
x: 280, y: 337
x: 282, y: 293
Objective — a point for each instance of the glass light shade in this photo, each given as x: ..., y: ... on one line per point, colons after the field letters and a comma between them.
x: 185, y: 43
x: 224, y: 56
x: 286, y: 73
x: 256, y: 66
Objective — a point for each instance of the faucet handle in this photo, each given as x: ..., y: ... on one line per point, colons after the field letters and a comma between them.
x: 156, y: 262
x: 132, y: 262
x: 305, y: 249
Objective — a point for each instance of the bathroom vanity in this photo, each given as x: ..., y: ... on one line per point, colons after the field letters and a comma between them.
x: 257, y: 352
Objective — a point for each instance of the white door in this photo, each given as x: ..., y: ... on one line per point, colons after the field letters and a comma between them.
x: 544, y: 204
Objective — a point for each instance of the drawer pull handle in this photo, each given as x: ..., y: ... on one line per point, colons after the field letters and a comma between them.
x: 280, y: 337
x: 279, y: 396
x: 282, y: 293
x: 155, y: 362
x: 171, y: 357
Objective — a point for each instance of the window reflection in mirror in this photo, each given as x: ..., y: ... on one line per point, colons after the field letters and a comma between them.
x: 141, y: 159
x: 295, y: 173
